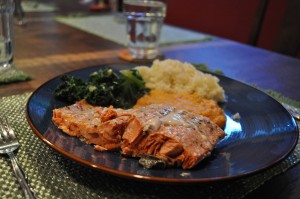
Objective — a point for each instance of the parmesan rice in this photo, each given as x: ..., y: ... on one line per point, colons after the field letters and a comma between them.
x: 174, y: 76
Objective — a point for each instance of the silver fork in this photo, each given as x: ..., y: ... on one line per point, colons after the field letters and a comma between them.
x: 8, y: 144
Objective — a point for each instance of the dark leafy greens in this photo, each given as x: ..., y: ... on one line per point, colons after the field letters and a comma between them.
x: 71, y: 89
x: 103, y: 88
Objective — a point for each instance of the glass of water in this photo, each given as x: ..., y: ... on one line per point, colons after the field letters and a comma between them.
x: 144, y: 20
x: 6, y: 33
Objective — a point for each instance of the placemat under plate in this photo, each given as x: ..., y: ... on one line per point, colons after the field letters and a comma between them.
x: 54, y: 176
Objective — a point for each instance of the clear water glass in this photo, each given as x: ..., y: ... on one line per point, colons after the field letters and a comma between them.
x: 144, y: 20
x: 6, y: 33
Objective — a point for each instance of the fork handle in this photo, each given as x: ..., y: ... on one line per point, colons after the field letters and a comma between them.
x: 21, y: 177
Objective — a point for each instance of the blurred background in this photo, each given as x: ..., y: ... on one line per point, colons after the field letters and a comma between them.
x: 269, y: 24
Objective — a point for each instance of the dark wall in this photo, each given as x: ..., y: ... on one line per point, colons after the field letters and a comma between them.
x: 263, y: 23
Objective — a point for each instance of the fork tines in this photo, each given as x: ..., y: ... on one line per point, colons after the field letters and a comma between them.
x: 6, y: 132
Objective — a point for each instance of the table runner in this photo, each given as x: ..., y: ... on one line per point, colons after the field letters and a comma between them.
x: 53, y: 176
x: 107, y: 27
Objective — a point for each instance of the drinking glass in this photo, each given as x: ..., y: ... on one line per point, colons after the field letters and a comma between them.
x: 144, y: 20
x: 117, y: 10
x: 6, y: 33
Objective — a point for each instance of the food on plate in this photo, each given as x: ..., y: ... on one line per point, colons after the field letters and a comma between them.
x: 186, y: 101
x: 89, y: 122
x: 175, y: 122
x: 174, y: 76
x: 173, y: 136
x: 104, y: 87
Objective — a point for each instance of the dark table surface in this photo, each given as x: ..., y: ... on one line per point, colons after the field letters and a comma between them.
x: 43, y: 42
x: 245, y: 63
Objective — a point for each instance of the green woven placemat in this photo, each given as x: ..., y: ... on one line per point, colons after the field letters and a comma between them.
x: 53, y: 176
x: 13, y: 75
x: 37, y: 6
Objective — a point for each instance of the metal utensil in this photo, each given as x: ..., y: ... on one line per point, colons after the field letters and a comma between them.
x: 8, y: 144
x: 293, y: 110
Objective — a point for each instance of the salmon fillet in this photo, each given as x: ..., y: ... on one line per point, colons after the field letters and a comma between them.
x: 95, y: 125
x: 177, y: 137
x: 190, y: 102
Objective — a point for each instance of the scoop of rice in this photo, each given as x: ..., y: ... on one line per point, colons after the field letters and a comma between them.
x: 174, y: 76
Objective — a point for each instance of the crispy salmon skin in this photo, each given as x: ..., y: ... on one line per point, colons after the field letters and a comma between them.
x: 178, y: 137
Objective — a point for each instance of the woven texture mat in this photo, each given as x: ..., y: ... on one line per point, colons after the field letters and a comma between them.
x: 13, y: 75
x: 36, y: 6
x: 52, y: 175
x: 107, y: 27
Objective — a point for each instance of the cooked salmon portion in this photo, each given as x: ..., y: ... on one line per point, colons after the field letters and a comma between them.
x: 181, y: 138
x: 95, y: 125
x: 178, y: 137
x: 190, y: 102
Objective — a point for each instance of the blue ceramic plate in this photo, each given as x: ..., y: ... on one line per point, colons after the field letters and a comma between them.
x: 265, y: 134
